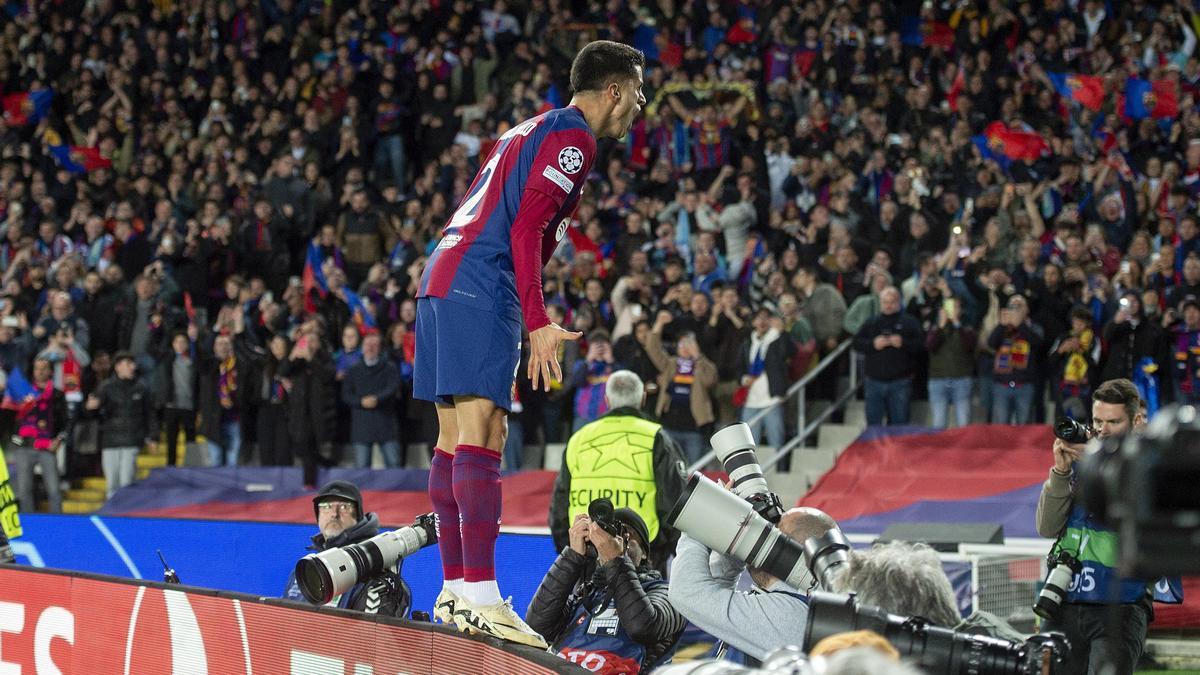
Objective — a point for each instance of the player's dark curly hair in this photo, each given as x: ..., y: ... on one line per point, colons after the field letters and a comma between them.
x: 603, y: 62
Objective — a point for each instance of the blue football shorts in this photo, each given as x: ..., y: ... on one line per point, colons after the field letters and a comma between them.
x: 465, y: 351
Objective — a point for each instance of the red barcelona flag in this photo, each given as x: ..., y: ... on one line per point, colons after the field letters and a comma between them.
x: 27, y: 107
x: 1150, y: 98
x: 1014, y: 143
x: 1087, y: 89
x: 921, y: 33
x: 74, y: 158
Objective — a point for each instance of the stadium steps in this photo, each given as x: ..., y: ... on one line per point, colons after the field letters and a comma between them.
x: 832, y: 439
x: 147, y: 461
x: 80, y: 506
x: 809, y: 464
x: 85, y: 495
x: 74, y: 506
x: 856, y: 413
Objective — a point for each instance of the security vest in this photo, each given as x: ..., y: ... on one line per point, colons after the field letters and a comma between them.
x: 1096, y: 548
x: 10, y: 520
x: 613, y: 457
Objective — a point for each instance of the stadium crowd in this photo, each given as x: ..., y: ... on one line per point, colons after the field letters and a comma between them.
x: 235, y: 199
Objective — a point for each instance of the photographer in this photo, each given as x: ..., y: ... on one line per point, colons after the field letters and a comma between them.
x: 609, y: 613
x: 340, y: 518
x: 1084, y: 615
x: 908, y: 580
x: 771, y: 615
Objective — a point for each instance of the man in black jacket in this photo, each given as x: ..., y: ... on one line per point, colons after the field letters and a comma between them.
x: 601, y: 605
x: 339, y: 512
x: 1128, y: 338
x: 369, y: 390
x: 627, y: 457
x: 891, y: 342
x: 99, y: 308
x: 310, y: 400
x: 126, y: 421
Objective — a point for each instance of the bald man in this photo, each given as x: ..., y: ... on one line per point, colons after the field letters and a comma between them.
x: 751, y: 623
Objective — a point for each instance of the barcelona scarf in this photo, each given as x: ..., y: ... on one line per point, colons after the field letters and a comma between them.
x: 227, y: 382
x: 685, y: 375
x: 1075, y: 380
x: 278, y: 391
x: 1012, y: 356
x: 589, y: 399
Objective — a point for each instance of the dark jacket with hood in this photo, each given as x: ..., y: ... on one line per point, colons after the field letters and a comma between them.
x: 311, y: 398
x: 643, y: 612
x: 386, y: 594
x: 126, y: 414
x: 381, y: 380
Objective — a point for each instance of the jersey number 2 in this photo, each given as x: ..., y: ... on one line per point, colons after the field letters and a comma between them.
x: 466, y: 211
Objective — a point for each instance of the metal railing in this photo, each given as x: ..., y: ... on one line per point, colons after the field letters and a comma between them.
x: 804, y: 427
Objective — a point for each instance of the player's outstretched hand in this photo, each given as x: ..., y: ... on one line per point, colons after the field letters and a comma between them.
x: 543, y: 354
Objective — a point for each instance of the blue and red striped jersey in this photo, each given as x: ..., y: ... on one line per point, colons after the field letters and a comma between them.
x: 494, y: 247
x: 710, y: 143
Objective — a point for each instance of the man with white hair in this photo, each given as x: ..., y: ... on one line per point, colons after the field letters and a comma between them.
x: 624, y: 456
x: 907, y: 579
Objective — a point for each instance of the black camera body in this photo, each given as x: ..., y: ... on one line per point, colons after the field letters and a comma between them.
x: 934, y: 648
x: 1144, y: 487
x: 1072, y: 431
x: 602, y: 513
x: 767, y: 505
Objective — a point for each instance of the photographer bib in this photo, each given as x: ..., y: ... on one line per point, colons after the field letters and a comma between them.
x: 1097, y: 552
x: 596, y: 640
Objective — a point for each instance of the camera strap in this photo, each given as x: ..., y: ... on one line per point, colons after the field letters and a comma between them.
x: 1062, y: 532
